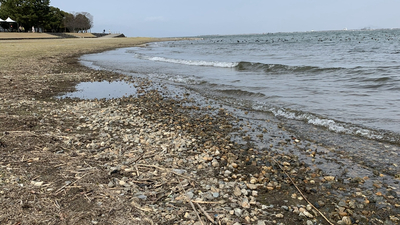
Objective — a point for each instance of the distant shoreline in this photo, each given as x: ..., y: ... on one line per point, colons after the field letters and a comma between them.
x: 24, y: 35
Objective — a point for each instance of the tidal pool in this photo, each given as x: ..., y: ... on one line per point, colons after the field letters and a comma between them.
x: 104, y: 89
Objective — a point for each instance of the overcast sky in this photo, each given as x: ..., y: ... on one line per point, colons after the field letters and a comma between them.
x: 178, y: 18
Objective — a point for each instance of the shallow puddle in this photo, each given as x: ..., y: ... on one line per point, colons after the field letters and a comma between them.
x: 104, y: 89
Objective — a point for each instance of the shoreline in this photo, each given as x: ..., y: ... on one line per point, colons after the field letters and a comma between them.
x: 151, y: 158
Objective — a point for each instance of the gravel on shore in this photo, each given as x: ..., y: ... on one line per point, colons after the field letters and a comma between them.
x: 157, y: 158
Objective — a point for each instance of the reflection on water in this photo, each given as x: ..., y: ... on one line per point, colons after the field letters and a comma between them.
x: 104, y: 89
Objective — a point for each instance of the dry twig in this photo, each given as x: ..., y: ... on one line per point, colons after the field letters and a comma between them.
x: 301, y: 193
x: 205, y: 213
x: 61, y: 188
x: 165, y: 169
x: 205, y: 202
x: 191, y: 203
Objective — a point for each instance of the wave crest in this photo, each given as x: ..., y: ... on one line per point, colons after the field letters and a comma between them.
x: 279, y: 68
x: 190, y: 62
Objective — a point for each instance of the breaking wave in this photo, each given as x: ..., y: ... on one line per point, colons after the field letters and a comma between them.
x: 242, y: 66
x: 279, y: 68
x: 335, y: 126
x: 189, y: 62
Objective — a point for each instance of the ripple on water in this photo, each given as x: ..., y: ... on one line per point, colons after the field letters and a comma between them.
x: 104, y: 89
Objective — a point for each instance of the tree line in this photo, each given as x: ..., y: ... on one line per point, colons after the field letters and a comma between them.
x: 40, y: 15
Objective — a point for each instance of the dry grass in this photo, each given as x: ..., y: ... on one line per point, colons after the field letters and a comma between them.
x: 29, y: 67
x: 14, y: 35
x: 23, y: 53
x: 82, y: 35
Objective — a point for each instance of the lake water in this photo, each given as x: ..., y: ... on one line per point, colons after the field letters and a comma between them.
x: 336, y: 91
x: 343, y: 81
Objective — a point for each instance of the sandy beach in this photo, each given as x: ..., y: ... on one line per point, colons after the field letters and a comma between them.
x: 150, y: 158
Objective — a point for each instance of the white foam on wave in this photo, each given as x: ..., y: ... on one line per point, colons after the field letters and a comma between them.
x: 176, y: 78
x: 190, y: 62
x: 328, y: 123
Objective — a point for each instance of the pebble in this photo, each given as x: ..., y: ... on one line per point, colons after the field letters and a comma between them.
x: 228, y: 176
x: 37, y: 183
x: 227, y: 173
x: 190, y: 195
x: 215, y: 163
x: 179, y: 171
x: 237, y: 192
x: 215, y: 194
x: 238, y: 212
x: 111, y: 184
x: 345, y: 221
x: 261, y: 222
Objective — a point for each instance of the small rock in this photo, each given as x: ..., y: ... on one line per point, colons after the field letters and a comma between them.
x: 342, y: 203
x: 215, y: 194
x: 252, y: 186
x: 142, y: 197
x: 227, y: 173
x: 280, y: 215
x: 238, y: 212
x: 237, y: 192
x: 304, y: 212
x: 329, y: 178
x: 208, y: 196
x: 346, y: 220
x: 179, y: 171
x: 111, y: 184
x: 190, y: 195
x: 260, y: 222
x: 352, y: 204
x: 245, y: 204
x: 215, y: 163
x: 37, y: 184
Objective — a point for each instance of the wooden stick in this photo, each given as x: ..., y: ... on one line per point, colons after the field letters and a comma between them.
x: 191, y: 203
x: 22, y: 132
x: 140, y: 157
x: 137, y: 171
x: 301, y: 193
x: 205, y: 213
x: 195, y: 211
x: 166, y: 169
x: 70, y: 183
x: 89, y: 200
x: 204, y: 202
